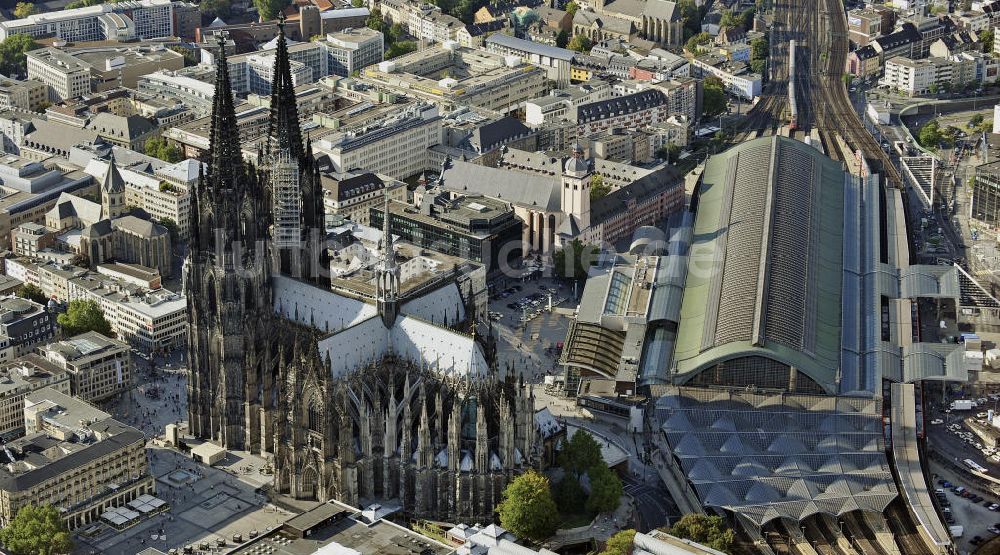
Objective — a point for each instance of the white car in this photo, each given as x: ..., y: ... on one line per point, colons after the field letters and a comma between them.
x: 937, y: 421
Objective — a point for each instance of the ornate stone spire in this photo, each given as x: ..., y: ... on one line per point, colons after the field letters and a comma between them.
x: 226, y: 164
x: 387, y: 280
x: 283, y: 132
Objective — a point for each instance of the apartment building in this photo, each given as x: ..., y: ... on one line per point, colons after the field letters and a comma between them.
x: 29, y: 238
x: 73, y: 457
x: 631, y: 111
x: 98, y: 366
x: 930, y: 75
x: 558, y: 104
x: 114, y: 21
x: 23, y: 324
x: 20, y: 377
x: 351, y: 195
x: 863, y: 26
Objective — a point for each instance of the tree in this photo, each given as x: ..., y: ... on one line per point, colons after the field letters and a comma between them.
x: 269, y: 9
x: 396, y: 33
x: 400, y: 48
x: 759, y: 49
x: 580, y: 453
x: 710, y: 531
x: 697, y: 40
x: 527, y: 508
x: 24, y: 9
x: 190, y: 57
x: 12, y: 53
x: 81, y: 4
x: 171, y: 228
x: 729, y: 19
x: 758, y: 66
x: 358, y: 3
x: 691, y: 15
x: 975, y: 121
x: 598, y: 188
x: 930, y: 134
x: 375, y: 20
x: 713, y: 100
x: 986, y: 40
x: 158, y: 147
x: 573, y: 260
x: 80, y: 260
x: 620, y: 543
x: 605, y: 489
x: 32, y: 292
x: 562, y: 39
x: 84, y: 315
x: 569, y: 494
x: 215, y: 8
x: 572, y: 7
x: 37, y: 531
x: 580, y: 43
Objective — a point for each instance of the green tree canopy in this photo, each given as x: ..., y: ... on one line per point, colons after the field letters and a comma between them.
x: 710, y: 531
x: 759, y: 49
x: 375, y: 20
x: 527, y: 508
x: 562, y: 39
x: 986, y: 40
x: 358, y: 3
x: 620, y: 543
x: 158, y: 147
x: 580, y: 453
x: 396, y: 32
x: 574, y: 260
x: 24, y: 9
x: 400, y: 48
x: 691, y: 14
x: 215, y: 8
x: 930, y: 135
x: 580, y: 43
x: 975, y: 120
x: 84, y: 315
x: 572, y: 7
x: 713, y: 97
x: 269, y: 9
x: 697, y: 40
x: 37, y: 531
x: 598, y: 188
x: 12, y: 53
x: 569, y: 494
x: 605, y: 489
x: 33, y: 292
x: 82, y: 4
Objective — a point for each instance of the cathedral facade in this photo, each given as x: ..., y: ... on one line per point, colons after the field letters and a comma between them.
x: 356, y: 399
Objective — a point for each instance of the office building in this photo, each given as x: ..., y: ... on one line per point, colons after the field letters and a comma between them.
x: 65, y: 76
x: 73, y: 457
x: 352, y: 50
x: 98, y: 366
x: 114, y: 21
x: 19, y: 377
x: 23, y: 324
x: 477, y: 228
x: 350, y: 196
x: 478, y: 78
x: 23, y: 95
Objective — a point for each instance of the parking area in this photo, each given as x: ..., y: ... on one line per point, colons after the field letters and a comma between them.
x: 529, y: 333
x: 969, y: 505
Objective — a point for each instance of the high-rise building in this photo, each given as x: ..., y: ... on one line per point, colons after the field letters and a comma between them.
x: 115, y: 21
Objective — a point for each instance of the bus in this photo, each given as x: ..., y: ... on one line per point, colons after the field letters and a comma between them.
x: 974, y: 466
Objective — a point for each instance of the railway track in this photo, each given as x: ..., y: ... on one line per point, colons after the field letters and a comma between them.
x: 903, y: 530
x: 835, y: 112
x: 863, y: 536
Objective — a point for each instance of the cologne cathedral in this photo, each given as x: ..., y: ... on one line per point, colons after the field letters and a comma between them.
x: 359, y: 398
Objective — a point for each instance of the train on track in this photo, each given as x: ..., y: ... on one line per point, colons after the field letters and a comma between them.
x: 793, y: 108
